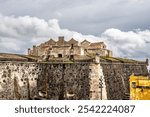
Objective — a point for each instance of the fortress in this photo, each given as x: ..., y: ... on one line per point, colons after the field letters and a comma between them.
x: 62, y: 48
x: 62, y: 70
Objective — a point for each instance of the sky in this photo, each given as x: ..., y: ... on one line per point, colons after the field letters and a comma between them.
x: 124, y: 25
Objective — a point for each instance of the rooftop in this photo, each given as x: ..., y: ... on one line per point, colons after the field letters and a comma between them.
x: 16, y: 57
x: 29, y: 58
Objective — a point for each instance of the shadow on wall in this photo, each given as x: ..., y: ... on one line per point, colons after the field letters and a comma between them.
x: 64, y: 82
x: 44, y: 81
x: 117, y: 78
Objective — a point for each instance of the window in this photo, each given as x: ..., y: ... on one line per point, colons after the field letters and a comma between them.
x: 59, y: 55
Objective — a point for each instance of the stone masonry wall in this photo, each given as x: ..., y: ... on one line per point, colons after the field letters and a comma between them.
x: 65, y: 81
x: 116, y: 77
x: 57, y: 81
x: 20, y: 80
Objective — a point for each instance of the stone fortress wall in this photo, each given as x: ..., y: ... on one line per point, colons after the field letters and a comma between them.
x: 117, y: 75
x: 22, y: 80
x: 72, y: 80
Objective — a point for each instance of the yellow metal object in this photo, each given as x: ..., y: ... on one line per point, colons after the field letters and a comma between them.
x: 139, y: 87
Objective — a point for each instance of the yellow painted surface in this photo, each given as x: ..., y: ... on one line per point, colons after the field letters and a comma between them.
x: 139, y: 88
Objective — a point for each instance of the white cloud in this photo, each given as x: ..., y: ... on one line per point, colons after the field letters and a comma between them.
x: 19, y: 33
x: 133, y: 44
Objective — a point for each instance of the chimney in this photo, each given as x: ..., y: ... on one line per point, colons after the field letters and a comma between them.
x: 61, y: 40
x: 71, y: 53
x: 147, y: 62
x: 29, y: 51
x: 34, y: 46
x: 34, y: 50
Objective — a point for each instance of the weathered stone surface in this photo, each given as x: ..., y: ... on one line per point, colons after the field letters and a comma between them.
x: 116, y: 77
x: 44, y: 80
x: 79, y: 80
x: 61, y: 48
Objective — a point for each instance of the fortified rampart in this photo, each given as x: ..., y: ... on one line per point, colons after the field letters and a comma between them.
x: 51, y: 81
x: 107, y: 79
x: 116, y: 77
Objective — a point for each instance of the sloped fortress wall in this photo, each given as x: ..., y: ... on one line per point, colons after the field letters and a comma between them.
x: 18, y: 80
x: 65, y: 81
x: 23, y: 80
x: 116, y: 77
x: 58, y: 81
